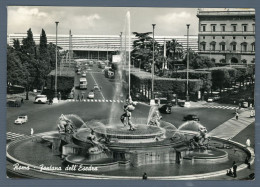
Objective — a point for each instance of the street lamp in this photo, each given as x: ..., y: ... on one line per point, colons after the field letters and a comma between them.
x: 152, y: 99
x: 55, y: 99
x: 188, y: 59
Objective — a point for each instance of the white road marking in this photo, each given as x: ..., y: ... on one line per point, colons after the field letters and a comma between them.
x: 110, y: 101
x: 97, y: 84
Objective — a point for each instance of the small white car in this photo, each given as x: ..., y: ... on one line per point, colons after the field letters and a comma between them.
x: 21, y: 120
x: 91, y: 95
x: 41, y: 99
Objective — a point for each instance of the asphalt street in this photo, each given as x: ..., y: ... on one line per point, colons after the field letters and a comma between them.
x: 44, y: 117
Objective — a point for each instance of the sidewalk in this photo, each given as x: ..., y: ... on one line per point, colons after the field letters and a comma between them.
x: 232, y: 127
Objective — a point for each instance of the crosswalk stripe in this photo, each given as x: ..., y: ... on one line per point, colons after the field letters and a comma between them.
x: 114, y: 101
x: 95, y: 100
x: 110, y: 101
x: 99, y: 100
x: 106, y: 100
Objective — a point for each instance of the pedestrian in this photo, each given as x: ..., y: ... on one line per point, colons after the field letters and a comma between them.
x: 248, y: 142
x: 59, y: 96
x: 82, y: 96
x: 78, y: 96
x: 144, y: 176
x: 236, y: 115
x: 32, y: 132
x: 234, y: 169
x: 22, y: 101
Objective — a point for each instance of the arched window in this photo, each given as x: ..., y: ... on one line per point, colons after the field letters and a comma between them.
x: 213, y: 46
x: 233, y: 46
x: 203, y: 46
x: 234, y: 60
x: 222, y: 46
x: 244, y: 47
x: 253, y: 46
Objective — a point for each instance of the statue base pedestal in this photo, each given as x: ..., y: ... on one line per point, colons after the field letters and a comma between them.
x: 55, y: 100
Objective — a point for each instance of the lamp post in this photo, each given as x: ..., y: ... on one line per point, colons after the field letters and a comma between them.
x: 55, y: 99
x: 152, y: 99
x: 188, y: 61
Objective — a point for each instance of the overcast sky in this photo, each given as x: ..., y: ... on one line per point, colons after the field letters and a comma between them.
x: 100, y: 20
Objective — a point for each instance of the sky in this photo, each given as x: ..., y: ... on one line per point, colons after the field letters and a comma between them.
x: 101, y: 20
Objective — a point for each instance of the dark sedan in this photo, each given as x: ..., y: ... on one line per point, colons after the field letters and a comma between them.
x: 167, y: 109
x: 191, y: 117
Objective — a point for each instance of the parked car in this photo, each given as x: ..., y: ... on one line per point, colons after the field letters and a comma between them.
x: 210, y: 99
x: 41, y: 99
x: 167, y: 109
x: 191, y: 117
x: 21, y: 119
x: 84, y: 74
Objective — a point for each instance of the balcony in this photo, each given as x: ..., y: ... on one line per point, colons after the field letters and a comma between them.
x: 226, y: 33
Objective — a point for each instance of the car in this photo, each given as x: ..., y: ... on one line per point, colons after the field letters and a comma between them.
x: 181, y: 103
x: 91, y: 95
x: 21, y: 119
x: 84, y: 74
x: 96, y: 87
x: 167, y: 109
x: 41, y: 99
x: 210, y: 99
x: 191, y: 117
x: 216, y: 97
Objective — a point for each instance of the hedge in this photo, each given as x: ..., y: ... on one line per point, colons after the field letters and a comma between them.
x: 166, y: 84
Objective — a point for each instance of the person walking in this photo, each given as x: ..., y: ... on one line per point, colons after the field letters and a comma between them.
x: 32, y: 132
x: 144, y: 176
x: 248, y: 142
x: 236, y: 115
x: 234, y: 169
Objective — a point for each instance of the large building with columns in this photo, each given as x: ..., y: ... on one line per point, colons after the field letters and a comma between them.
x: 94, y: 46
x: 227, y: 35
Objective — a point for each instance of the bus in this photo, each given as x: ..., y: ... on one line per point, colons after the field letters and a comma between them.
x: 83, y: 83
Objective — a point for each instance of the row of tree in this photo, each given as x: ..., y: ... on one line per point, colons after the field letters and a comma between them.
x: 29, y: 64
x: 172, y: 54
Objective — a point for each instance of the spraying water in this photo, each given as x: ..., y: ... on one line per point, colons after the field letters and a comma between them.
x: 121, y: 78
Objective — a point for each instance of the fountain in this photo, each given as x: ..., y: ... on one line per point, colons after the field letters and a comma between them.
x: 124, y: 145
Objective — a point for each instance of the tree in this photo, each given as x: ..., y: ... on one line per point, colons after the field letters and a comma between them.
x: 29, y: 44
x: 200, y: 62
x: 43, y: 47
x: 17, y: 45
x: 16, y: 72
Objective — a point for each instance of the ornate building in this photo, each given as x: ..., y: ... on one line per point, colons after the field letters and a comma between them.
x: 227, y: 35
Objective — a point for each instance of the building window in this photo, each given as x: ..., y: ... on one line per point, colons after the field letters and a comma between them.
x: 223, y: 47
x: 244, y: 47
x: 213, y: 47
x: 223, y: 28
x: 223, y: 37
x: 253, y: 27
x: 234, y: 28
x: 203, y: 47
x: 253, y: 46
x: 234, y: 47
x: 213, y: 28
x: 213, y: 37
x: 244, y: 37
x: 244, y: 28
x: 203, y: 28
x: 203, y: 37
x: 234, y: 37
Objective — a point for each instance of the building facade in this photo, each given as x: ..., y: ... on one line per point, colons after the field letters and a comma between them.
x: 227, y: 35
x: 95, y: 46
